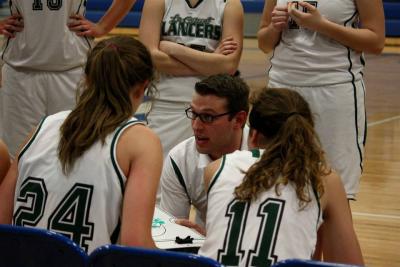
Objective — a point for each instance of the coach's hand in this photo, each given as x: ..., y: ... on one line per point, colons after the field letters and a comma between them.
x: 10, y: 25
x: 194, y: 226
x: 83, y: 27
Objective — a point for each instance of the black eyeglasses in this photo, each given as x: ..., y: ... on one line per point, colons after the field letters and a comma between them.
x: 204, y: 117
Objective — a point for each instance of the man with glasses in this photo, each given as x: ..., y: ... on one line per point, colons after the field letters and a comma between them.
x: 218, y: 111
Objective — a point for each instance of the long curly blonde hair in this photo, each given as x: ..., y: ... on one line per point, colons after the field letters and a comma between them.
x: 292, y: 153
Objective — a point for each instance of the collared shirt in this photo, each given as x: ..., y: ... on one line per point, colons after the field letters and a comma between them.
x: 182, y: 182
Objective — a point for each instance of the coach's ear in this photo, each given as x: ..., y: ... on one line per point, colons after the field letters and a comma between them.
x: 240, y: 119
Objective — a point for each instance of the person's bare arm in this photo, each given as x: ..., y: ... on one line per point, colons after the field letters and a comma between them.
x: 215, y: 63
x: 339, y: 240
x: 7, y: 186
x: 273, y: 21
x: 149, y: 35
x: 7, y: 191
x: 11, y: 24
x: 145, y: 157
x: 369, y: 38
x: 115, y: 13
x: 4, y: 161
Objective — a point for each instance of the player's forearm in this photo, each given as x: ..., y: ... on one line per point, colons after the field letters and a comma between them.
x: 268, y: 38
x: 116, y: 12
x: 207, y: 63
x: 166, y: 64
x: 363, y: 40
x: 138, y: 240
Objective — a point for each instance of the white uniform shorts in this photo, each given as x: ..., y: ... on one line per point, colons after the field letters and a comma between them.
x: 169, y: 122
x: 28, y: 96
x: 340, y: 121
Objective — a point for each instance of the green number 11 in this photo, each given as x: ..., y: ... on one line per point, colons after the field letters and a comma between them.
x: 270, y: 211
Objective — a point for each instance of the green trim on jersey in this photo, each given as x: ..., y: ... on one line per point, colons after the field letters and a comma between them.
x: 180, y: 178
x: 255, y: 153
x: 113, y: 143
x: 25, y: 148
x: 216, y: 176
x: 190, y: 5
x: 115, y: 234
x: 319, y: 205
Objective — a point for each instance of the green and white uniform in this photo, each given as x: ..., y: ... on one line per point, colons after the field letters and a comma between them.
x: 270, y: 229
x: 43, y: 66
x: 182, y: 183
x: 198, y: 27
x: 86, y: 205
x: 329, y: 76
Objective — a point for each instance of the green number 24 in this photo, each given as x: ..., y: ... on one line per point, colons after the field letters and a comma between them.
x: 69, y: 218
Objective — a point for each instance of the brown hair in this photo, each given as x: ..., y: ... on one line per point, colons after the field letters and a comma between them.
x: 292, y: 153
x: 114, y: 66
x: 232, y: 88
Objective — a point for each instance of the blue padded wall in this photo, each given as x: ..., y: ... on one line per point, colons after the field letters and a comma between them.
x: 132, y: 19
x: 95, y: 9
x: 253, y: 6
x: 392, y: 18
x: 104, y: 4
x: 253, y: 9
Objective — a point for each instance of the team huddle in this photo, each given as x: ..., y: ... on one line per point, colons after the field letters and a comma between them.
x: 269, y: 172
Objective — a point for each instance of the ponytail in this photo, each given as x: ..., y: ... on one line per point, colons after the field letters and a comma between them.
x: 113, y: 68
x: 293, y: 152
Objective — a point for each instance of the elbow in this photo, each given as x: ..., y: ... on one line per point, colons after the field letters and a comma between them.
x: 231, y: 69
x: 156, y: 56
x: 376, y: 47
x: 262, y: 45
x: 226, y: 67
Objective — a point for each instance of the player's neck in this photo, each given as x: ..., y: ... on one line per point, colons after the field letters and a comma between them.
x: 193, y: 2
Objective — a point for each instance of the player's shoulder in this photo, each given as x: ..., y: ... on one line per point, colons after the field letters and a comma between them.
x: 246, y: 154
x: 137, y: 132
x: 186, y: 148
x: 59, y: 116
